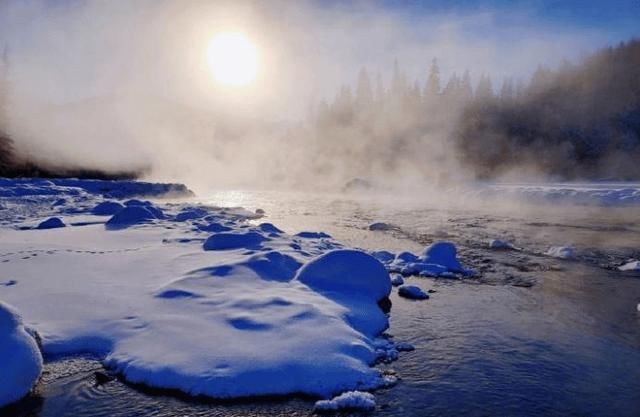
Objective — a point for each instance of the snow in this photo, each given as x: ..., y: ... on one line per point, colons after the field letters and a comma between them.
x: 207, y: 303
x: 438, y: 260
x: 107, y: 208
x: 346, y: 271
x: 562, y: 252
x: 20, y: 358
x: 396, y: 280
x: 405, y: 347
x: 380, y: 227
x: 238, y: 240
x: 351, y: 400
x: 501, y: 245
x: 412, y: 292
x: 313, y: 235
x: 51, y: 223
x: 630, y: 266
x: 129, y: 216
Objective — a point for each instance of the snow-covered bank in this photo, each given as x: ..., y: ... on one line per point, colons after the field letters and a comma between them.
x: 205, y: 300
x: 71, y: 186
x: 596, y: 194
x: 20, y: 358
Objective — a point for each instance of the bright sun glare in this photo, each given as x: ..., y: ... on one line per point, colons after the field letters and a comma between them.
x: 233, y: 59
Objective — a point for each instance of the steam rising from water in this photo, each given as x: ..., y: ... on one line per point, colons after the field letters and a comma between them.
x: 121, y: 85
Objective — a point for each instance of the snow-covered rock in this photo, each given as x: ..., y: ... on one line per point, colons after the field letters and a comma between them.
x: 412, y: 292
x: 404, y: 347
x: 107, y: 208
x: 443, y: 253
x: 498, y: 244
x: 633, y: 266
x: 51, y: 223
x: 313, y: 235
x: 397, y: 280
x: 20, y: 358
x: 349, y: 272
x: 129, y: 216
x: 351, y: 400
x: 438, y: 260
x: 380, y: 226
x: 191, y: 214
x: 272, y: 314
x: 238, y: 240
x: 562, y: 252
x: 383, y: 256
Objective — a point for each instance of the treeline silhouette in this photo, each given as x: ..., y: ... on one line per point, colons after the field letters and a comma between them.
x: 580, y: 121
x: 14, y: 164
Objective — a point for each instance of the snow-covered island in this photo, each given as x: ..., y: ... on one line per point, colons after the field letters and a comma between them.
x: 206, y: 300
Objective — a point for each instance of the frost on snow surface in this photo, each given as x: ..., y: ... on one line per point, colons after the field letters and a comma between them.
x: 351, y: 400
x: 227, y: 311
x: 20, y: 358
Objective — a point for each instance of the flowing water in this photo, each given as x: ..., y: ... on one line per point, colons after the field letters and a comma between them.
x: 531, y: 335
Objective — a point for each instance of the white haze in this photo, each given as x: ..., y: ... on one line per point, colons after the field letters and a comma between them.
x: 119, y: 85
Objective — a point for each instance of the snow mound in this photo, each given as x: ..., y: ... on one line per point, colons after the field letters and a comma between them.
x: 130, y: 216
x: 412, y: 292
x: 191, y: 214
x: 269, y: 228
x: 274, y: 266
x: 157, y: 213
x: 562, y: 252
x: 51, y: 223
x: 313, y: 235
x: 380, y: 227
x: 630, y: 266
x: 239, y: 240
x: 397, y: 280
x: 501, y: 245
x: 445, y: 254
x: 20, y: 358
x: 347, y: 271
x: 213, y: 227
x: 107, y: 208
x: 438, y: 260
x: 351, y: 400
x: 383, y: 256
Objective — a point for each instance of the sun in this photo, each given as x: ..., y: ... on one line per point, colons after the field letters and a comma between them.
x: 233, y: 59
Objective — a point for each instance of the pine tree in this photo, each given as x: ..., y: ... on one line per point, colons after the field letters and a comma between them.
x: 466, y: 90
x: 432, y: 87
x: 484, y: 90
x: 364, y: 92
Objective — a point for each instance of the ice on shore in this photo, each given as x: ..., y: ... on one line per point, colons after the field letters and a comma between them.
x: 351, y: 400
x: 20, y: 358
